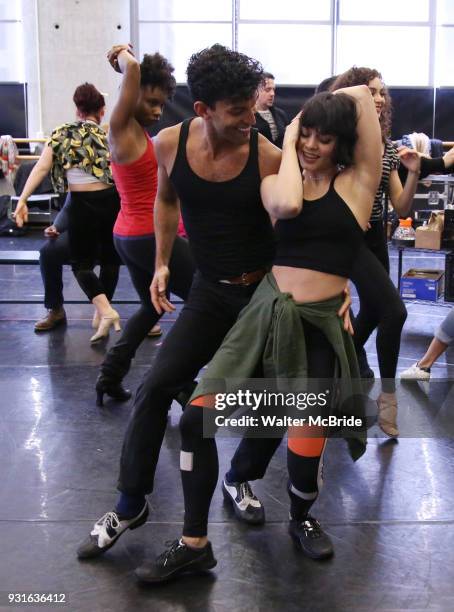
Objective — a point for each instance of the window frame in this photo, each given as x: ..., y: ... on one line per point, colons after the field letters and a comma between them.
x: 333, y: 21
x: 20, y: 67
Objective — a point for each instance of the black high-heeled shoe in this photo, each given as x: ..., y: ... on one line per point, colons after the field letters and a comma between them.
x: 112, y: 388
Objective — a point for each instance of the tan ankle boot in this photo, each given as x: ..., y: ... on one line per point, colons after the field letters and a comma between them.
x: 387, y: 414
x: 96, y: 320
x: 105, y: 323
x: 54, y: 317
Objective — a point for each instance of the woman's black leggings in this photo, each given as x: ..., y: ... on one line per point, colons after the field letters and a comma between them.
x: 380, y: 305
x: 199, y: 457
x: 138, y: 254
x: 91, y: 217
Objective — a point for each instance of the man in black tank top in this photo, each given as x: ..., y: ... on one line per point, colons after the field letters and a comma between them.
x: 213, y: 165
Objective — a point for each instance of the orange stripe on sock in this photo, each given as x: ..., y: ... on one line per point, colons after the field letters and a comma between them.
x: 204, y: 401
x: 302, y: 440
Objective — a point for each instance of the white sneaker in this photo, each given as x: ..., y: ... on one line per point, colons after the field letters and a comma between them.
x: 414, y: 372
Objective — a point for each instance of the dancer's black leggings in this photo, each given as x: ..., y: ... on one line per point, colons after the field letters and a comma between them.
x: 381, y: 306
x: 199, y: 457
x: 138, y: 254
x: 91, y: 217
x: 53, y: 255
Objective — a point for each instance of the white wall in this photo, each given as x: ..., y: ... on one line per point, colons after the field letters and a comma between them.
x: 58, y: 60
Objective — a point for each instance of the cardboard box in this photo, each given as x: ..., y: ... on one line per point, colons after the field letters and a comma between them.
x: 429, y: 236
x: 417, y: 284
x: 428, y: 239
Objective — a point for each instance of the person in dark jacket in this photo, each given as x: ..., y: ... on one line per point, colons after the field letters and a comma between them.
x: 271, y: 120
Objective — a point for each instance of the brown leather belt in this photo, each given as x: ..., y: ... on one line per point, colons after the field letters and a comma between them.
x: 247, y: 278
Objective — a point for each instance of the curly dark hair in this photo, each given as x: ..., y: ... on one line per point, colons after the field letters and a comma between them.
x: 156, y: 71
x: 333, y: 114
x: 88, y: 99
x: 218, y: 73
x: 363, y: 76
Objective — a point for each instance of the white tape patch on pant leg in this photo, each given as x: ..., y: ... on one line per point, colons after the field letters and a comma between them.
x: 186, y: 461
x: 305, y: 496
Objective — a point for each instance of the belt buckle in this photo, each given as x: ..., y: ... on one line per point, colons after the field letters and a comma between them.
x: 244, y: 280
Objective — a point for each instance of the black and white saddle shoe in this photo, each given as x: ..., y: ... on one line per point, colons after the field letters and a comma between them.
x: 247, y: 507
x: 106, y: 532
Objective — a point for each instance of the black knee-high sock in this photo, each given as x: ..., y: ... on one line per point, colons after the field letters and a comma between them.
x: 305, y: 470
x: 304, y: 483
x: 199, y: 471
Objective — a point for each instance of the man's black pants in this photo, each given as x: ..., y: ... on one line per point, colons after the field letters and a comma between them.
x: 52, y: 256
x: 209, y: 313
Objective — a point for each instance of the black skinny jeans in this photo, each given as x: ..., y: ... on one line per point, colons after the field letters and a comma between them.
x: 52, y: 256
x: 210, y: 311
x: 138, y: 254
x: 91, y: 218
x: 381, y: 306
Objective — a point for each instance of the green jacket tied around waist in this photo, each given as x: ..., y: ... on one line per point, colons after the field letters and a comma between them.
x: 266, y: 336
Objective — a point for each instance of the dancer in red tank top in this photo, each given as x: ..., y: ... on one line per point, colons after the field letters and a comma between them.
x: 144, y: 89
x: 136, y: 183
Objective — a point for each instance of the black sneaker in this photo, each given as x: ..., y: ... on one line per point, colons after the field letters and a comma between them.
x: 245, y: 504
x: 178, y: 559
x: 310, y: 538
x: 107, y: 531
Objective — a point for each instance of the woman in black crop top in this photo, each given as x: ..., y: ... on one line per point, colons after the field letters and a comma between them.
x: 291, y: 331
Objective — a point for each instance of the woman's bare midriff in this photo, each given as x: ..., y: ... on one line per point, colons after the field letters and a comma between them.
x: 88, y: 187
x: 308, y: 285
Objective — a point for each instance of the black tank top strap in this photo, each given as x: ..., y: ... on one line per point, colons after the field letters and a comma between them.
x: 331, y: 184
x: 253, y: 144
x: 252, y: 165
x: 184, y: 132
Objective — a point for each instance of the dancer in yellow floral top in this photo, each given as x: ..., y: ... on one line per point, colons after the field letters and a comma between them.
x: 78, y: 158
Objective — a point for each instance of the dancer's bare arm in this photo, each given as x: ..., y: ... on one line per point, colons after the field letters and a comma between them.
x: 166, y: 217
x: 126, y: 137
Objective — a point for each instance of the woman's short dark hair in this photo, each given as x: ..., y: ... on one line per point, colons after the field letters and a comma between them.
x: 336, y: 115
x: 218, y: 73
x: 360, y: 75
x: 88, y: 99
